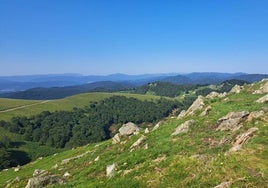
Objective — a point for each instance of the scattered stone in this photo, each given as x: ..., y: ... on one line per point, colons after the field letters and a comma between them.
x: 55, y: 166
x: 66, y: 161
x: 40, y: 158
x: 225, y: 184
x: 146, y: 146
x: 183, y: 128
x: 16, y: 169
x: 37, y: 182
x: 206, y: 111
x: 110, y: 170
x: 66, y: 175
x: 9, y: 183
x: 236, y: 89
x: 128, y: 129
x: 157, y: 126
x: 263, y: 99
x: 39, y: 172
x: 138, y: 142
x: 116, y: 139
x: 241, y: 139
x: 232, y: 121
x: 97, y: 159
x: 146, y: 131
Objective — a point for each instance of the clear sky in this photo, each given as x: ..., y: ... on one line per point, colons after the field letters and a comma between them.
x: 133, y: 36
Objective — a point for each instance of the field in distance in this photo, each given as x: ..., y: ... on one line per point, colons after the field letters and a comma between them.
x: 15, y: 107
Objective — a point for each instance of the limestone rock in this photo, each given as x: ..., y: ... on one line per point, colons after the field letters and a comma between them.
x: 183, y: 128
x: 37, y: 182
x: 66, y: 161
x: 197, y: 105
x: 138, y: 142
x: 128, y: 129
x: 157, y: 126
x: 263, y: 99
x: 255, y: 114
x: 146, y: 131
x: 97, y: 159
x: 236, y: 89
x: 263, y: 88
x: 182, y: 114
x: 215, y: 94
x: 39, y: 172
x: 110, y: 170
x: 225, y: 184
x: 232, y: 121
x: 16, y: 169
x: 241, y: 139
x: 66, y: 175
x: 206, y: 111
x: 116, y: 139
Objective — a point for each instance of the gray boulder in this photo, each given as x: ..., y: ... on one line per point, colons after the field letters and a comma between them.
x: 263, y: 99
x: 37, y: 182
x: 241, y: 139
x: 128, y: 129
x: 206, y: 111
x: 138, y: 142
x: 236, y: 89
x: 183, y: 128
x: 232, y: 121
x: 110, y: 170
x: 198, y: 104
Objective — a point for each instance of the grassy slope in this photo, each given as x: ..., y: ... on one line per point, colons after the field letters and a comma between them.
x: 170, y: 161
x: 68, y: 103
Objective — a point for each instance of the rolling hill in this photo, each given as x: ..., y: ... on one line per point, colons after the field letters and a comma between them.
x: 220, y: 141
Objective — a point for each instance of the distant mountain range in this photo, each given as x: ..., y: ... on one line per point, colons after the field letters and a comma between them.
x: 62, y: 85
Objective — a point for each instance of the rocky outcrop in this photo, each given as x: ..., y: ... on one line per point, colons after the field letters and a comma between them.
x: 263, y: 99
x: 232, y: 121
x: 39, y: 172
x: 206, y: 111
x: 110, y: 170
x: 241, y: 139
x: 37, y: 182
x: 214, y: 94
x: 237, y: 89
x: 182, y: 114
x: 183, y: 128
x: 255, y: 114
x: 263, y: 88
x: 138, y: 142
x: 198, y: 104
x: 157, y: 126
x: 128, y: 129
x: 116, y: 139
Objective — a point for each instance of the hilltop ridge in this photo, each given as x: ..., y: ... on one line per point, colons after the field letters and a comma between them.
x: 219, y: 141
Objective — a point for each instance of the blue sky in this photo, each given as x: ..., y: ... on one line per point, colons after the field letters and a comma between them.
x: 133, y: 37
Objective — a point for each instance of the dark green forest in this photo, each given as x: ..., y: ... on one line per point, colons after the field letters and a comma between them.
x: 65, y: 129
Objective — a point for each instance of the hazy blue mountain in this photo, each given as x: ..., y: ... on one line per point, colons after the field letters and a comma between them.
x: 61, y: 92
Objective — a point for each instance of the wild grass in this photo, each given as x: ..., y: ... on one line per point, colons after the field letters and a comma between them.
x: 192, y: 159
